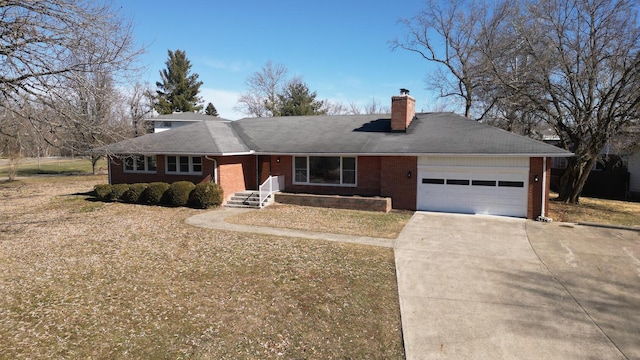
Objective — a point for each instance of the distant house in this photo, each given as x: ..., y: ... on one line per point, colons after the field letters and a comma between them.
x: 609, y: 177
x: 424, y: 161
x: 176, y: 120
x: 633, y: 166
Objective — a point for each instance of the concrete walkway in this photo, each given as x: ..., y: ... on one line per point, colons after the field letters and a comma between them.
x: 216, y: 220
x: 472, y: 287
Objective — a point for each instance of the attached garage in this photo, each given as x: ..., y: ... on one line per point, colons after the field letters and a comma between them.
x: 474, y: 185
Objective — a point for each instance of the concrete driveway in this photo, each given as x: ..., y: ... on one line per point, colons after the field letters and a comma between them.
x: 481, y: 287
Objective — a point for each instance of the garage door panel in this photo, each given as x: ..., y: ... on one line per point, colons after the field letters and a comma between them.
x: 471, y: 190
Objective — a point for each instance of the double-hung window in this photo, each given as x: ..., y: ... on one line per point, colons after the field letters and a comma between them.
x: 140, y: 164
x: 191, y: 165
x: 324, y: 170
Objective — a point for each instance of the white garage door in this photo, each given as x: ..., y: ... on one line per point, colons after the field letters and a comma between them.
x: 473, y: 185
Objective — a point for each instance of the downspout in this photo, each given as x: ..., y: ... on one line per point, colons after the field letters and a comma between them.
x: 109, y: 168
x: 214, y: 176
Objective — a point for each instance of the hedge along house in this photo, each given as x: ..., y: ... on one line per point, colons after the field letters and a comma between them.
x: 425, y: 161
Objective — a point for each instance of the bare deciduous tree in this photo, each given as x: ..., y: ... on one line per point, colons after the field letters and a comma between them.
x: 14, y: 131
x: 335, y: 108
x: 582, y: 76
x: 574, y: 65
x: 140, y: 101
x: 374, y: 107
x: 354, y: 109
x: 95, y: 107
x: 51, y: 49
x: 448, y: 34
x: 261, y: 98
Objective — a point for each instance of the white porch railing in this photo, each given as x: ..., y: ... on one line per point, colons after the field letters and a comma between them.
x: 271, y: 185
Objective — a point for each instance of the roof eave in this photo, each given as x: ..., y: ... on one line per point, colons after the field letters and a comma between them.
x: 416, y: 154
x: 183, y: 153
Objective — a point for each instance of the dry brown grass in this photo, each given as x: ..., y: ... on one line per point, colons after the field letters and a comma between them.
x: 81, y: 279
x: 597, y: 210
x: 337, y: 221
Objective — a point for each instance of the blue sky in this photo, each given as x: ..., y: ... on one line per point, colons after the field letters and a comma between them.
x: 340, y: 48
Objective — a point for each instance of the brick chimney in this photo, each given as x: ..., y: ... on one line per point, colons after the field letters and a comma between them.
x: 403, y: 110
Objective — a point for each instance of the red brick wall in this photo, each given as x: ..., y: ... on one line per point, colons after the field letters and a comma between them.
x: 403, y: 109
x: 377, y: 176
x: 368, y: 179
x: 281, y: 165
x: 238, y: 173
x: 547, y: 190
x: 395, y: 183
x: 118, y: 176
x: 369, y: 175
x: 335, y: 201
x: 534, y: 197
x: 235, y: 173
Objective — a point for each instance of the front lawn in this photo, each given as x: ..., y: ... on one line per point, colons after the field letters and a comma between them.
x: 595, y: 210
x: 338, y: 221
x: 85, y: 279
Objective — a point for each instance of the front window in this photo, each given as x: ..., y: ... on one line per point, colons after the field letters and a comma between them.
x: 184, y: 165
x: 301, y: 170
x: 196, y: 164
x: 140, y: 164
x: 329, y: 170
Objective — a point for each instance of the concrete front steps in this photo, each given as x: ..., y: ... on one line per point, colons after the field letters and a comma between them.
x: 248, y: 199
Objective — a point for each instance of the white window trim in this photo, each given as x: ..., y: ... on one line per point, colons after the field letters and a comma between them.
x: 293, y: 164
x: 145, y: 171
x: 178, y: 172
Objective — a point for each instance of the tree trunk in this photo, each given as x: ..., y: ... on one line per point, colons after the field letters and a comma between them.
x: 573, y: 179
x: 94, y: 161
x: 12, y: 171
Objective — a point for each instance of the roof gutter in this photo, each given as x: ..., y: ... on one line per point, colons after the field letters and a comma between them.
x: 192, y: 153
x: 568, y: 154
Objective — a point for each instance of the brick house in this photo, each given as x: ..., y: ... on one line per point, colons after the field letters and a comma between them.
x: 422, y: 161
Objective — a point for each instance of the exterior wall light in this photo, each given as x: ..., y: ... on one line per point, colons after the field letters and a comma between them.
x: 536, y: 178
x: 409, y: 174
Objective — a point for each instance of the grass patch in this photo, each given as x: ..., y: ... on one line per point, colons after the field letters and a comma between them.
x: 52, y: 166
x: 595, y: 210
x: 130, y: 281
x: 337, y: 221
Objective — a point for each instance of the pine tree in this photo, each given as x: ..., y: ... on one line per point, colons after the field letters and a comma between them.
x: 178, y: 89
x: 297, y: 100
x: 211, y: 110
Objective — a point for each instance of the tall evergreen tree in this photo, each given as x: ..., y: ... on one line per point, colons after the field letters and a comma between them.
x: 178, y: 89
x: 211, y: 110
x: 296, y: 99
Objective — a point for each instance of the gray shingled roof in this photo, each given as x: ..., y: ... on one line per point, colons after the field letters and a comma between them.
x: 203, y: 137
x: 428, y: 134
x: 185, y: 116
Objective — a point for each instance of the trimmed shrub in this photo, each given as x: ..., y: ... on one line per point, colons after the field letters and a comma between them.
x: 118, y: 190
x: 206, y: 195
x: 102, y: 192
x: 132, y: 195
x: 178, y: 193
x: 153, y: 193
